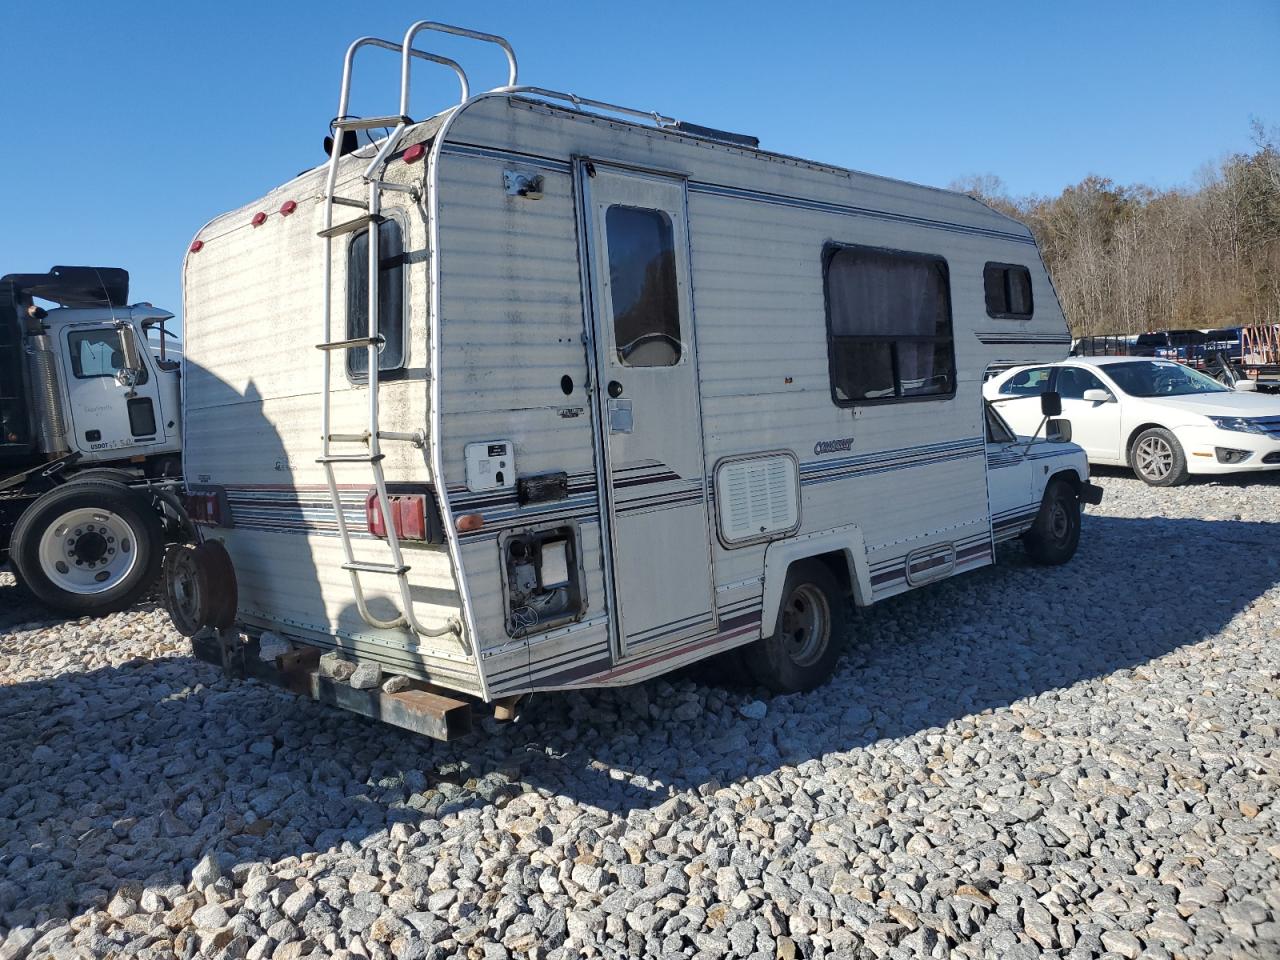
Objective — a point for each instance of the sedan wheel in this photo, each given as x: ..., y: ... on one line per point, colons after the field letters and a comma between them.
x: 1157, y: 458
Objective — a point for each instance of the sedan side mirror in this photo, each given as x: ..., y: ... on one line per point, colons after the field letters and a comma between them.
x: 1097, y: 395
x: 1247, y: 386
x: 1051, y: 404
x: 1058, y: 431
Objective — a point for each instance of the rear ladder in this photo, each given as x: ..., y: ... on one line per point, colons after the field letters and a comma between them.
x: 370, y: 439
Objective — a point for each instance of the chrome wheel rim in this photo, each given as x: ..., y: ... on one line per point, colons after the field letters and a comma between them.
x: 1154, y: 458
x: 806, y: 624
x: 88, y: 550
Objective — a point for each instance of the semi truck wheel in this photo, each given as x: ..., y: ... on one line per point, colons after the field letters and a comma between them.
x: 806, y: 641
x: 1055, y: 535
x: 88, y: 547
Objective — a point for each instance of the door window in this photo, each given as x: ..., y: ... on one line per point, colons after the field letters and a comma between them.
x: 98, y: 353
x: 642, y: 287
x: 1073, y: 382
x: 1027, y: 383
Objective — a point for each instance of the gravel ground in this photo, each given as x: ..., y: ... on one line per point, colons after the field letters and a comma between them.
x: 1021, y: 762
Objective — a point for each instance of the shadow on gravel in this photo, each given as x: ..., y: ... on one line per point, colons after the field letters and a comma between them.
x: 126, y: 776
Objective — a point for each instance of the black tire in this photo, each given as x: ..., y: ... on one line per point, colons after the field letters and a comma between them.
x: 127, y: 525
x: 1157, y: 458
x: 808, y: 636
x: 104, y: 474
x: 199, y: 587
x: 1055, y: 535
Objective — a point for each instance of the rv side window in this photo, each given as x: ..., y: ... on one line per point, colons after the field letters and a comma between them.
x: 390, y: 299
x: 889, y: 326
x: 1008, y: 288
x: 642, y: 287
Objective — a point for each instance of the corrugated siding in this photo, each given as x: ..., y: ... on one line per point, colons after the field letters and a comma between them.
x: 511, y: 329
x: 758, y: 292
x: 252, y: 380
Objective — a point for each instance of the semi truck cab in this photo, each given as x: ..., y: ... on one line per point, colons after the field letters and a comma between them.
x: 90, y: 437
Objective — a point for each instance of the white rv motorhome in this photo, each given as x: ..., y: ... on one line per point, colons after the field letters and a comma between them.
x: 597, y: 394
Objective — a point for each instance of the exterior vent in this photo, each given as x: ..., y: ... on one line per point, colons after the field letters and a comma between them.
x: 757, y: 498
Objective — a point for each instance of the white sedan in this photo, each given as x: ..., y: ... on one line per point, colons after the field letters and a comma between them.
x: 1159, y: 417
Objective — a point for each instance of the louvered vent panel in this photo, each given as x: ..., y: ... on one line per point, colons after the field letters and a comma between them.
x: 757, y: 497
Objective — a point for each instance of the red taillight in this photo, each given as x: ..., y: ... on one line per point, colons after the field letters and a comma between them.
x: 259, y: 219
x: 208, y: 507
x: 414, y: 153
x: 288, y: 207
x: 408, y: 513
x: 197, y: 246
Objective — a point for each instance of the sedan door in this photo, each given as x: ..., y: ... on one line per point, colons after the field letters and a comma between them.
x: 1095, y: 424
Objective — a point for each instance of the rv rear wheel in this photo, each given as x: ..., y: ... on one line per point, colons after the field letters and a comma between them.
x: 88, y: 547
x: 1055, y: 535
x: 806, y: 640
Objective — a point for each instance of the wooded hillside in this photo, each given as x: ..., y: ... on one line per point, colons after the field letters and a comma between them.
x: 1127, y: 259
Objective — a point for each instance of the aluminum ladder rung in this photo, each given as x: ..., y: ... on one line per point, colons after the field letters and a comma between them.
x: 400, y: 437
x: 348, y: 202
x: 398, y: 187
x: 351, y: 458
x: 351, y: 226
x: 364, y: 566
x: 369, y: 123
x: 378, y: 341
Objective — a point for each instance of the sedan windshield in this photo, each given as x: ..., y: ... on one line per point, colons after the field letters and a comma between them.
x: 1161, y: 378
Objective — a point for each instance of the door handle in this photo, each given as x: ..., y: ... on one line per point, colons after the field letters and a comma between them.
x: 615, y: 389
x: 620, y: 416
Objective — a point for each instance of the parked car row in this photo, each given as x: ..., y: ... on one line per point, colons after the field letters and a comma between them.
x: 1159, y: 417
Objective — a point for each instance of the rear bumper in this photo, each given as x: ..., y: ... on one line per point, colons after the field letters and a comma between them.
x: 423, y: 709
x: 1090, y: 493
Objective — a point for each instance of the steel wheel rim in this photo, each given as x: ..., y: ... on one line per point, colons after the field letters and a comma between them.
x: 184, y: 590
x: 1059, y: 522
x: 806, y: 624
x: 1155, y: 458
x: 88, y: 550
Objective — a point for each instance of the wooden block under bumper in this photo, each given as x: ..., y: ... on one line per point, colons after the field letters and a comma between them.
x: 431, y: 712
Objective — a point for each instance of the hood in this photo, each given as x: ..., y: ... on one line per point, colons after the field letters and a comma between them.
x: 1234, y: 404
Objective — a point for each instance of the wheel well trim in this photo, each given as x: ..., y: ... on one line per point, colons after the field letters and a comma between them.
x: 1138, y: 431
x: 843, y: 547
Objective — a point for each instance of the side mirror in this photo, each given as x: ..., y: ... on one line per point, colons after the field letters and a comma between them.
x: 1058, y: 431
x: 1051, y: 404
x: 129, y: 375
x: 1247, y: 386
x: 1097, y: 395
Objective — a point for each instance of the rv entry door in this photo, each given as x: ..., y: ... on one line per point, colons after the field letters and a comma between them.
x: 646, y: 392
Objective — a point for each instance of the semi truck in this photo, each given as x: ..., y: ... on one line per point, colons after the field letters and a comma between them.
x: 90, y: 438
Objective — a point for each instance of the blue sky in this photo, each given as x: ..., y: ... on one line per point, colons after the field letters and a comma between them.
x: 129, y: 125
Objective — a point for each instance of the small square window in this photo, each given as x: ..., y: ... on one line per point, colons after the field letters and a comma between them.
x: 1008, y: 290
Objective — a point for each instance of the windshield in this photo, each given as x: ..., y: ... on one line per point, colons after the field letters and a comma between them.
x: 1161, y: 378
